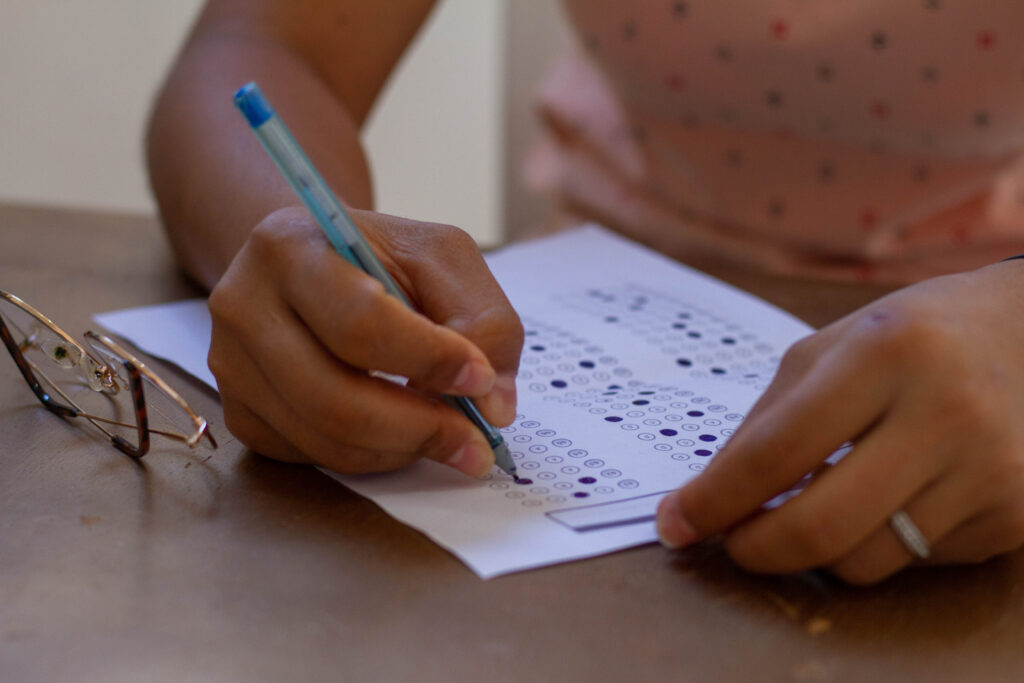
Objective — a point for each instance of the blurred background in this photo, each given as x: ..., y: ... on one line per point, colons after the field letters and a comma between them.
x: 77, y: 78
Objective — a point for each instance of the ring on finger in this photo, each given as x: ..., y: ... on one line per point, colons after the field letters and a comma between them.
x: 910, y: 536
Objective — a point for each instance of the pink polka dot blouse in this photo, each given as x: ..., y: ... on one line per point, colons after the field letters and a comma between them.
x: 848, y: 139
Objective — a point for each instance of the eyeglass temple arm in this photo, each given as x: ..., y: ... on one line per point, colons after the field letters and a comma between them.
x: 141, y: 415
x: 19, y: 359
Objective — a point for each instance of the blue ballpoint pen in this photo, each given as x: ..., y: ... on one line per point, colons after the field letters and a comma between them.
x: 341, y: 232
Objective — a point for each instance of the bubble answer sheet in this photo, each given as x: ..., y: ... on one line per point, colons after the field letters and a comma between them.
x: 635, y: 371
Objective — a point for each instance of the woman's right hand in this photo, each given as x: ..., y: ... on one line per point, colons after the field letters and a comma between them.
x: 297, y: 330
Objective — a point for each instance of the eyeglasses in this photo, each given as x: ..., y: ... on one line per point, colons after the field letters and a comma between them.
x: 99, y: 381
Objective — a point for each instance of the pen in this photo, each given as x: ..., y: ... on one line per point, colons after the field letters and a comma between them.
x: 341, y: 232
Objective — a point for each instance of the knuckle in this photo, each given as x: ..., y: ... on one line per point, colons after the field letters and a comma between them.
x: 220, y: 360
x: 905, y: 337
x: 814, y: 539
x: 449, y: 239
x: 219, y: 364
x: 747, y: 551
x: 224, y: 305
x: 437, y: 244
x: 240, y: 422
x: 267, y: 236
x: 969, y: 409
x: 361, y: 310
x: 498, y: 331
x: 278, y: 238
x: 799, y: 353
x: 441, y: 441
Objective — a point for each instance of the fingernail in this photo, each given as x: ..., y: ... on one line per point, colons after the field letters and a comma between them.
x: 673, y: 529
x: 474, y: 458
x: 474, y: 379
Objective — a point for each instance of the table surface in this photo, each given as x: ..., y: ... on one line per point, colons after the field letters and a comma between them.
x: 188, y: 567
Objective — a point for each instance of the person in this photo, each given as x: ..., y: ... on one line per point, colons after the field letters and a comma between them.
x: 866, y: 140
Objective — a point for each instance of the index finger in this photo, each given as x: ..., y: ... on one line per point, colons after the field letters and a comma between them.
x: 449, y: 280
x: 801, y: 426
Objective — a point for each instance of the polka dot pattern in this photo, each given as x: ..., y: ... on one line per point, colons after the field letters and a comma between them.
x: 861, y: 140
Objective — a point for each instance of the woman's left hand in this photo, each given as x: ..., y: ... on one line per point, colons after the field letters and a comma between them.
x: 928, y: 384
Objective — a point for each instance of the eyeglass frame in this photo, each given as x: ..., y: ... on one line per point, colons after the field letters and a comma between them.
x: 107, y: 378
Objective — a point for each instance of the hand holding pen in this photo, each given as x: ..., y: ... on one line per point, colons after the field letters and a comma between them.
x: 297, y: 330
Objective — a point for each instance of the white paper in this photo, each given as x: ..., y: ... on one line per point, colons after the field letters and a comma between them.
x: 635, y: 371
x: 178, y: 332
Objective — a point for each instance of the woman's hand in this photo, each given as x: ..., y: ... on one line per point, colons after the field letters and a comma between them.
x: 297, y: 330
x: 928, y: 383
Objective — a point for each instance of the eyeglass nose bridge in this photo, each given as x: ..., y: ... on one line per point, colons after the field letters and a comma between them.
x: 100, y: 376
x: 65, y: 353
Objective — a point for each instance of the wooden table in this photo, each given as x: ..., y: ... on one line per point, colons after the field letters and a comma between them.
x: 237, y: 568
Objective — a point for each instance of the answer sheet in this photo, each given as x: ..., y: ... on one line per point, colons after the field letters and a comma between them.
x: 635, y: 371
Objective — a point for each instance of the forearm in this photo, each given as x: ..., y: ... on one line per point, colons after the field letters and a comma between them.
x: 211, y: 179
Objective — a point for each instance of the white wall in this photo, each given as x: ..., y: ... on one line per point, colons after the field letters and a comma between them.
x: 77, y: 76
x: 435, y: 138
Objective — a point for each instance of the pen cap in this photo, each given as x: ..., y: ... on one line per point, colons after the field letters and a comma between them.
x: 253, y: 105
